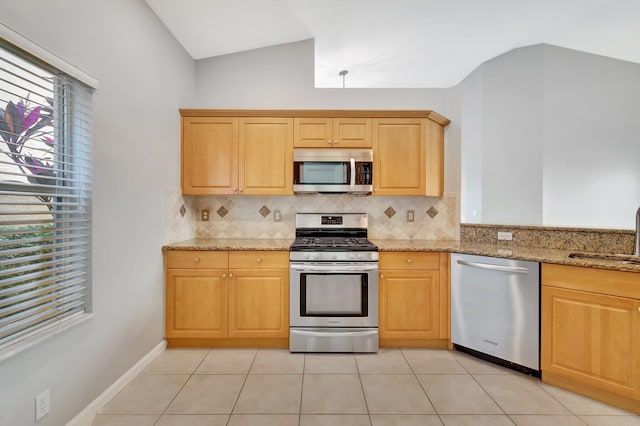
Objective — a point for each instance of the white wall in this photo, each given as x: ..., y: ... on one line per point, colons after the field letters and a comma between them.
x: 281, y: 77
x: 145, y: 76
x: 591, y: 162
x: 550, y: 137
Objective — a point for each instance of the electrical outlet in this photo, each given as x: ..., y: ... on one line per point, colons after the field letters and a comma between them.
x: 43, y: 404
x: 277, y: 216
x: 411, y: 215
x: 205, y: 215
x: 506, y: 236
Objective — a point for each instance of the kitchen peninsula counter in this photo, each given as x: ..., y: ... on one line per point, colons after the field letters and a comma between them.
x: 535, y: 254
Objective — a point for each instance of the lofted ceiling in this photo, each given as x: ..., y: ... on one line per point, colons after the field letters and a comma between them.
x: 402, y: 43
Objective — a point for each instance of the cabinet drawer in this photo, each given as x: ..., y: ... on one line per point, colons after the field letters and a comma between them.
x: 410, y: 260
x: 258, y: 259
x: 197, y: 259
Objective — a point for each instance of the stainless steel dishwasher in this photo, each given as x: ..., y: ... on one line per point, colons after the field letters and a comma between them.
x: 495, y: 309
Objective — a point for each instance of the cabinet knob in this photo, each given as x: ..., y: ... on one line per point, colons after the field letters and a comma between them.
x: 638, y: 308
x: 258, y: 260
x: 241, y: 189
x: 224, y: 275
x: 196, y: 259
x: 375, y: 189
x: 329, y: 142
x: 381, y: 275
x: 335, y: 142
x: 234, y: 189
x: 230, y: 275
x: 409, y: 260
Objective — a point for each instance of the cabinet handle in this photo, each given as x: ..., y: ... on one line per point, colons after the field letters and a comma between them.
x: 224, y: 275
x: 409, y: 260
x: 196, y: 259
x: 258, y: 260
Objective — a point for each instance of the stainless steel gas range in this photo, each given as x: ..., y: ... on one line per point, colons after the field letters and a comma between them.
x: 334, y: 285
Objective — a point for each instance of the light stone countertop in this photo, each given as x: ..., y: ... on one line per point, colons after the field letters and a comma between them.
x: 536, y: 254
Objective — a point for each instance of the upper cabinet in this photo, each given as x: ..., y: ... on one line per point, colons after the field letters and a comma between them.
x: 408, y: 157
x: 230, y: 155
x: 209, y: 153
x: 251, y: 151
x: 344, y: 132
x: 266, y: 156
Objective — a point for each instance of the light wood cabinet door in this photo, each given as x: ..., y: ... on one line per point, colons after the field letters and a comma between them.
x: 352, y: 133
x: 259, y: 303
x: 399, y: 156
x: 344, y: 132
x: 209, y: 155
x: 409, y: 304
x: 313, y: 132
x: 592, y: 339
x: 266, y: 156
x: 196, y: 303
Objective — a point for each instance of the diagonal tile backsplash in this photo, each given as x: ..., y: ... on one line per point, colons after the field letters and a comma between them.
x: 252, y: 216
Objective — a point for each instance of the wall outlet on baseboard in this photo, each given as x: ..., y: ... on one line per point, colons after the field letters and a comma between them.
x: 505, y: 236
x: 43, y: 404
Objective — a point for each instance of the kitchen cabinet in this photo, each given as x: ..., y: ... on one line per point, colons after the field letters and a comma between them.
x: 325, y: 132
x: 196, y: 295
x: 266, y: 156
x: 414, y: 299
x: 258, y: 294
x: 231, y: 155
x: 591, y: 333
x: 227, y: 299
x: 209, y: 155
x: 408, y: 157
x: 251, y: 151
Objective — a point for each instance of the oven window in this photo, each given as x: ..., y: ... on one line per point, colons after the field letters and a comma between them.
x: 327, y: 173
x: 333, y: 295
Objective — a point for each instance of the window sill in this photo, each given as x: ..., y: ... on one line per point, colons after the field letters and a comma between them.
x: 31, y: 341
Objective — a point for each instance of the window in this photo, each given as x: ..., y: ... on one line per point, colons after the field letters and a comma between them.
x: 45, y: 196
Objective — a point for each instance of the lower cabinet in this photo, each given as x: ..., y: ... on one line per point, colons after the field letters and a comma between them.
x: 227, y: 298
x: 591, y: 333
x: 414, y: 299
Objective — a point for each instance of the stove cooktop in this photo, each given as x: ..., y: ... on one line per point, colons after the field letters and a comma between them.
x: 332, y: 244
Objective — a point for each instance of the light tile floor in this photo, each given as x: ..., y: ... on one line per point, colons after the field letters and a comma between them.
x: 267, y: 387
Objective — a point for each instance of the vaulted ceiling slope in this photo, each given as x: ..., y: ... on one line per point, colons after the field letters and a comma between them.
x: 403, y: 43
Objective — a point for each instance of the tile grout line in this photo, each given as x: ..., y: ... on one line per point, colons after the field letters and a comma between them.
x: 422, y: 387
x: 183, y: 385
x: 304, y: 365
x: 364, y: 395
x: 246, y: 377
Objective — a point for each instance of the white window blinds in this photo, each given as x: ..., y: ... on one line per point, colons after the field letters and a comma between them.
x: 45, y: 196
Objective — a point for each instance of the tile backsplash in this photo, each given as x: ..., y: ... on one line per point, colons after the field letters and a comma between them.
x: 253, y: 216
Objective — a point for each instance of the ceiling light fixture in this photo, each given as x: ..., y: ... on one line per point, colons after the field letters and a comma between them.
x: 343, y: 74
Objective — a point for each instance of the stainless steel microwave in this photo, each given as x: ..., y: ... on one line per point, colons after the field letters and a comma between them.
x: 345, y: 171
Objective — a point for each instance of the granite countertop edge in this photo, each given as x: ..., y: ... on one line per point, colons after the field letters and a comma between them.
x: 535, y: 254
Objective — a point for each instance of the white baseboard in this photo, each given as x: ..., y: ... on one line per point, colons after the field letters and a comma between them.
x: 86, y: 416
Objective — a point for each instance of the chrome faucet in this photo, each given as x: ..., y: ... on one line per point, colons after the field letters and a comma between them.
x: 636, y: 251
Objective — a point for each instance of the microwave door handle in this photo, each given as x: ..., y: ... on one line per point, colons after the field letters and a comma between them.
x: 352, y: 182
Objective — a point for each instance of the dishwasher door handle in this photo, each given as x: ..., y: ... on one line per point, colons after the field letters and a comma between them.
x: 514, y: 269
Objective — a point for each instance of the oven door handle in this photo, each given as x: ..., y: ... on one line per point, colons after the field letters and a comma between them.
x: 333, y: 267
x: 335, y: 333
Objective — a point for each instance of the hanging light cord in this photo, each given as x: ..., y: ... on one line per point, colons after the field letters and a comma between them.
x: 343, y: 74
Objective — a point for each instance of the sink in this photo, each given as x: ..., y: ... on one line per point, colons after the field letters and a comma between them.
x: 614, y: 257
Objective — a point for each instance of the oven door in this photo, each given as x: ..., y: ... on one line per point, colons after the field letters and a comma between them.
x: 334, y: 294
